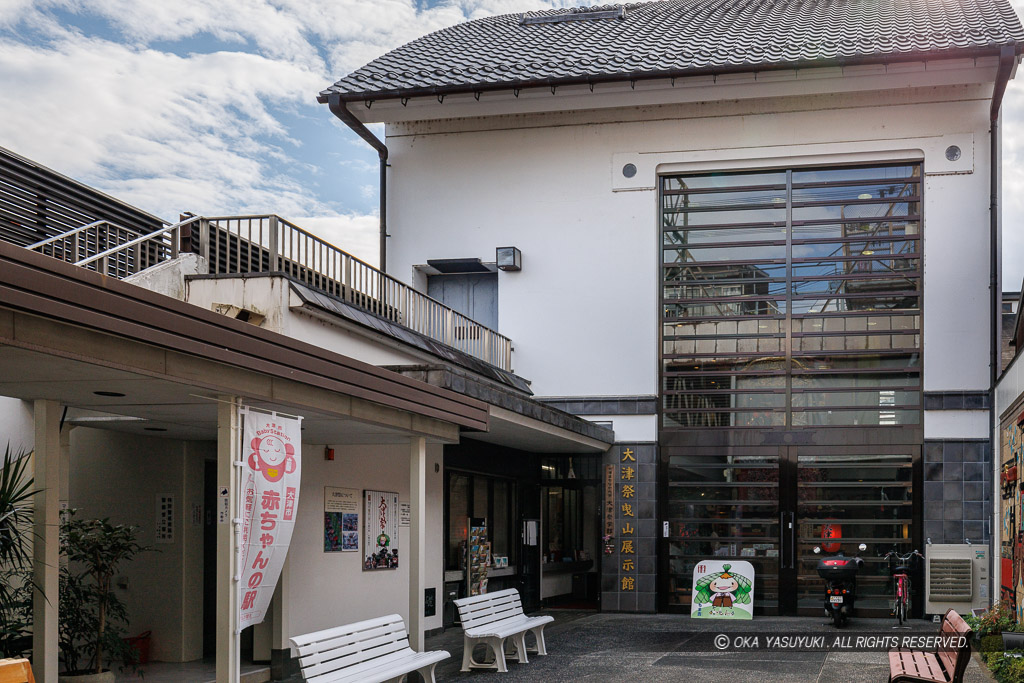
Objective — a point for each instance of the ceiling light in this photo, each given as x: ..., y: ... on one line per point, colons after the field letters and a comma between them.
x: 112, y: 394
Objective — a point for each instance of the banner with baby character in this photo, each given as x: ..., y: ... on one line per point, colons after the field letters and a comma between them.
x: 271, y: 455
x: 723, y: 590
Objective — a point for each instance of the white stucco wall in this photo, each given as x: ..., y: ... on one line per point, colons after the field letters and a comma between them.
x: 17, y: 428
x: 164, y: 592
x: 323, y: 590
x: 583, y: 312
x: 273, y: 298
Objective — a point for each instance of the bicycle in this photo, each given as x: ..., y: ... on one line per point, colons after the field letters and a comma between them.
x: 899, y: 566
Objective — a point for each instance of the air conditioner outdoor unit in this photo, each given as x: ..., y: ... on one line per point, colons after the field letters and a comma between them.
x: 956, y: 577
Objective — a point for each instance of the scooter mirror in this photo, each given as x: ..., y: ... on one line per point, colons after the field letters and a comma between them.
x: 817, y: 550
x: 862, y: 547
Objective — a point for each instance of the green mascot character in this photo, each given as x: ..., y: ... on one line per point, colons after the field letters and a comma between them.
x: 723, y: 589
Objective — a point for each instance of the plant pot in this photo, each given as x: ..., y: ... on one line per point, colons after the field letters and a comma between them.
x: 1013, y: 641
x: 105, y: 677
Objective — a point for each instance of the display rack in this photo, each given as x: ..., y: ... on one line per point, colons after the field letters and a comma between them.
x: 478, y: 550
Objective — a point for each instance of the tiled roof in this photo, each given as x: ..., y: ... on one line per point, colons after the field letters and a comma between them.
x: 677, y: 37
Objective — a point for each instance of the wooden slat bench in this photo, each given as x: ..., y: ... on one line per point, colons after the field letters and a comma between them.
x: 493, y: 618
x: 15, y: 671
x: 942, y: 666
x: 369, y: 651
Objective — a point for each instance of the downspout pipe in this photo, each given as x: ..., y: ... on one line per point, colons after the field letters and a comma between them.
x: 1007, y: 61
x: 340, y: 109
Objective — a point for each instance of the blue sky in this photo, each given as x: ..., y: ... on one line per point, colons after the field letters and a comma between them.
x: 209, y: 107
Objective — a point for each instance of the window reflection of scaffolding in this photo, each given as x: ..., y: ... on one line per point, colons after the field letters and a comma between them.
x: 712, y: 282
x: 884, y: 237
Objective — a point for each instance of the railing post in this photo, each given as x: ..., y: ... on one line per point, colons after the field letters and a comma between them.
x: 273, y: 246
x: 175, y: 236
x: 185, y: 243
x: 347, y: 284
x: 204, y: 243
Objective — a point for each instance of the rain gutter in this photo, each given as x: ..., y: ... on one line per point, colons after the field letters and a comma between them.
x: 340, y: 109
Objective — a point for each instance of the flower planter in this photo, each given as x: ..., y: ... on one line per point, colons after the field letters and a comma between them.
x: 105, y: 677
x: 1013, y: 641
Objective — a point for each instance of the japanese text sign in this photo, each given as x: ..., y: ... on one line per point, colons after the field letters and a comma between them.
x: 271, y: 456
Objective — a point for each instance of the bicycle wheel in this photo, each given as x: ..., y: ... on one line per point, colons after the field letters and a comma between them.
x: 901, y: 610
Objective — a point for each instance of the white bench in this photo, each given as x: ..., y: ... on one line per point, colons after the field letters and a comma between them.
x: 492, y: 618
x: 369, y: 651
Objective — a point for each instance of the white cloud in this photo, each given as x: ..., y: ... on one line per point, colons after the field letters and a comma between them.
x: 155, y: 129
x: 1013, y: 178
x: 1013, y: 185
x: 201, y: 132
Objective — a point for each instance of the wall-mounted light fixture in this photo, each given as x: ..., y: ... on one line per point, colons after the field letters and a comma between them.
x: 509, y: 258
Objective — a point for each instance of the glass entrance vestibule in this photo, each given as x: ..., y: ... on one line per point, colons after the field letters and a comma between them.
x: 790, y: 375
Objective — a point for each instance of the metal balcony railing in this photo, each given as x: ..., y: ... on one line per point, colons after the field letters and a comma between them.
x: 238, y: 245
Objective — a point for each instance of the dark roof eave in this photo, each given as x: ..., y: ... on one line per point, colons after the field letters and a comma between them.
x: 992, y: 50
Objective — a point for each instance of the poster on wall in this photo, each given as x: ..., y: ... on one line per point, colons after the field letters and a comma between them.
x: 271, y: 453
x: 381, y: 528
x: 341, y: 520
x: 723, y: 590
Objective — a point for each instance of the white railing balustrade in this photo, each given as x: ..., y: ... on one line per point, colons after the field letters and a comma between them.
x: 246, y: 244
x: 270, y: 244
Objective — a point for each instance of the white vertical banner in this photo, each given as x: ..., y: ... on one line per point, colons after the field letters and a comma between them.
x: 269, y: 498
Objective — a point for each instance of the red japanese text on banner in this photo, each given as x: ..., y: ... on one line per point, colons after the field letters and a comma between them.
x: 271, y: 453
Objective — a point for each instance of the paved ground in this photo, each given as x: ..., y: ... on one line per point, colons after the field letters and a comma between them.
x: 587, y: 646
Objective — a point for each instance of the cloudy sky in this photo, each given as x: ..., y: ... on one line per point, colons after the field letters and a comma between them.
x: 209, y: 105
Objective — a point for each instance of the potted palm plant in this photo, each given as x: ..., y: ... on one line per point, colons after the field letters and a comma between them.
x: 16, y: 491
x: 93, y: 619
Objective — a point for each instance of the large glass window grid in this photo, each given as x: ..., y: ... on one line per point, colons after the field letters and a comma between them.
x: 791, y: 298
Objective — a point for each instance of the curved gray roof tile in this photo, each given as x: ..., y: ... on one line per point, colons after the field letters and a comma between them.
x: 676, y: 36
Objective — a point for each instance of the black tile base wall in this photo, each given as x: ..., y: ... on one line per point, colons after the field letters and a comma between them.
x: 625, y: 589
x: 957, y: 490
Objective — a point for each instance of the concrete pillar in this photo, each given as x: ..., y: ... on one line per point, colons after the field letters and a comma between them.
x: 417, y: 539
x: 46, y: 544
x: 229, y: 442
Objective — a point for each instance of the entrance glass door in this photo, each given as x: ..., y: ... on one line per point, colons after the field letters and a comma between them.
x: 769, y: 506
x: 721, y: 505
x: 863, y: 496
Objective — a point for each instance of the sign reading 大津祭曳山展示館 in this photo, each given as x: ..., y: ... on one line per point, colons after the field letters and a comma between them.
x: 271, y: 456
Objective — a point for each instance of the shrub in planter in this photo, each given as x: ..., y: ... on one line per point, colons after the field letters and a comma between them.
x: 994, y: 621
x: 992, y: 643
x: 16, y: 614
x: 93, y: 620
x: 1005, y: 667
x: 16, y: 491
